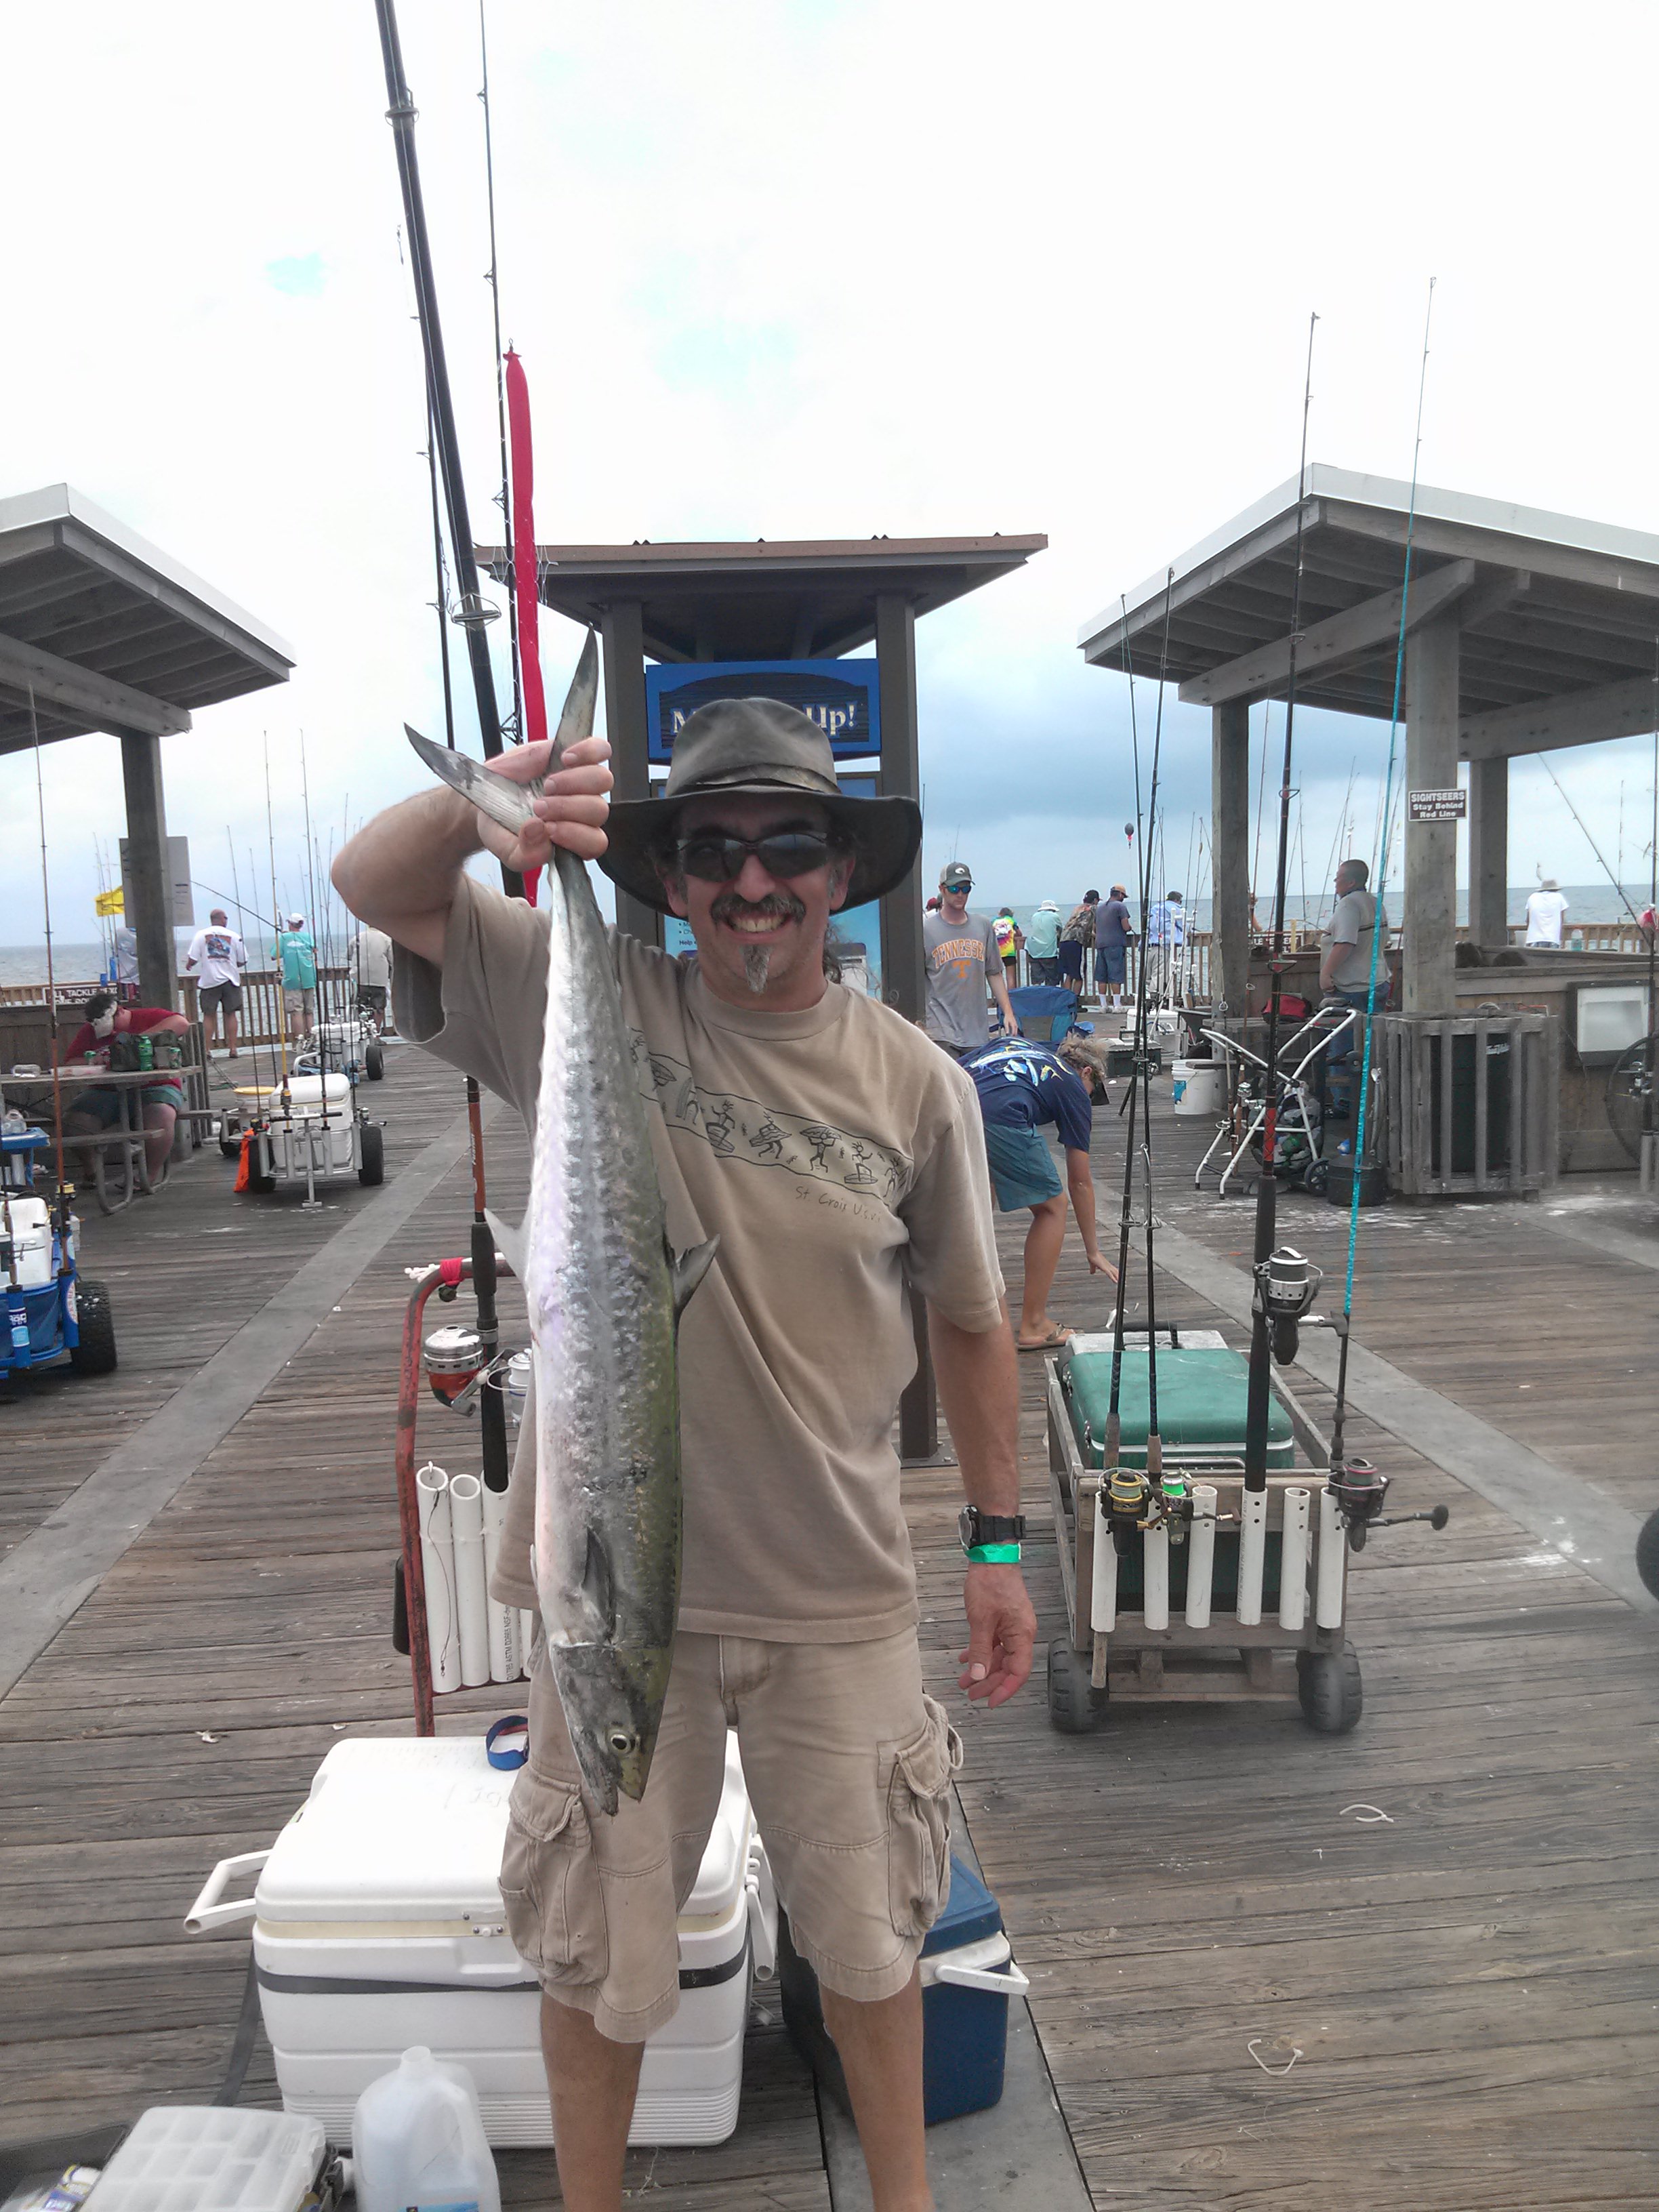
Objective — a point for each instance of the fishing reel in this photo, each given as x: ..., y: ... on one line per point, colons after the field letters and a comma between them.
x: 453, y: 1359
x: 1172, y: 1505
x: 1127, y: 1495
x: 1286, y: 1286
x: 1360, y: 1490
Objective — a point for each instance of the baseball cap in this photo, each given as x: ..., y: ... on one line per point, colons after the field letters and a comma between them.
x: 954, y: 872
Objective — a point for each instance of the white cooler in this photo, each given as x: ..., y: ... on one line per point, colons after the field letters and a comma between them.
x: 378, y: 1925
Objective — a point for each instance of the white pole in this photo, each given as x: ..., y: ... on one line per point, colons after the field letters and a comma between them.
x: 1155, y: 1578
x: 1103, y: 1591
x: 505, y: 1662
x: 471, y: 1609
x: 1252, y: 1556
x: 1200, y: 1556
x: 438, y: 1570
x: 1332, y: 1551
x: 526, y: 1639
x: 1294, y: 1561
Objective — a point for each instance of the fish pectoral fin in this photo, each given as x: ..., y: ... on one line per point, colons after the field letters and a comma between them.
x: 503, y: 801
x: 513, y: 1244
x: 687, y: 1269
x: 598, y: 1587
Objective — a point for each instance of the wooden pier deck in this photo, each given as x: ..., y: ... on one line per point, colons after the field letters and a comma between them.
x: 1465, y: 1995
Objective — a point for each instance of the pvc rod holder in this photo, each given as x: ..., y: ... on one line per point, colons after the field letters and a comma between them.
x: 1294, y: 1561
x: 1155, y: 1578
x: 438, y: 1574
x: 1331, y: 1564
x: 471, y: 1597
x: 1200, y: 1556
x: 1251, y: 1556
x: 208, y: 1911
x: 1102, y: 1587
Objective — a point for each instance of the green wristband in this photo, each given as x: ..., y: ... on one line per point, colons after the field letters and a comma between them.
x: 993, y: 1555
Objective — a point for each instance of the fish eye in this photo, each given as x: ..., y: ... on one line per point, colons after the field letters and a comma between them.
x: 620, y: 1739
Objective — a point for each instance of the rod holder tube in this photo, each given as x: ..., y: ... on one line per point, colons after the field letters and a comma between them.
x: 506, y: 1662
x: 1331, y: 1564
x: 471, y: 1604
x: 438, y: 1572
x: 1294, y: 1561
x: 1103, y: 1590
x: 1155, y: 1578
x: 1252, y: 1556
x: 1200, y: 1556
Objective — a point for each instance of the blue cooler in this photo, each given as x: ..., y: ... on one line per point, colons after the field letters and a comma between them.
x: 967, y: 1976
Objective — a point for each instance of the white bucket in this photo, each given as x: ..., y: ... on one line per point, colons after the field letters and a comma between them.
x: 1198, y: 1086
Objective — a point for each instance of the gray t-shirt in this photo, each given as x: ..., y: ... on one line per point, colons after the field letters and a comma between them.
x: 960, y: 955
x: 1350, y: 930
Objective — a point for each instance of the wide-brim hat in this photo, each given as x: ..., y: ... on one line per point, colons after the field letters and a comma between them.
x: 759, y: 748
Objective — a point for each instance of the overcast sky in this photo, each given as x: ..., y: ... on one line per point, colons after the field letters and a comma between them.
x: 812, y: 268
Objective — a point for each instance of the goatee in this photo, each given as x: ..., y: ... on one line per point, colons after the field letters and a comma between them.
x: 756, y: 961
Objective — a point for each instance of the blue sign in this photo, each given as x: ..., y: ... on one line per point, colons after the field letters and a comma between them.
x: 842, y: 697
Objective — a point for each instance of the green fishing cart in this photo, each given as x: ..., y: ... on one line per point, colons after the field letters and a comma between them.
x: 1237, y: 1596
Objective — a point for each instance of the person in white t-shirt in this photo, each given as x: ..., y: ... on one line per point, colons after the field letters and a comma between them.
x: 371, y: 964
x: 216, y: 958
x: 1545, y: 910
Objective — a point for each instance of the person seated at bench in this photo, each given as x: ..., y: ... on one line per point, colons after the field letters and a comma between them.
x: 110, y: 1035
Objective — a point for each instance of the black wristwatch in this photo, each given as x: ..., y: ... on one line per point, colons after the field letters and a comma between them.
x: 990, y: 1538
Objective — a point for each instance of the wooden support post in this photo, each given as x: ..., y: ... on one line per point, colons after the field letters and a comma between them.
x: 903, y: 975
x: 149, y: 879
x: 622, y: 633
x: 902, y: 968
x: 1428, y: 956
x: 1489, y: 851
x: 1229, y: 843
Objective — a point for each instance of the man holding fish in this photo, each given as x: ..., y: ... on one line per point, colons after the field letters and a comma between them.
x: 811, y: 1152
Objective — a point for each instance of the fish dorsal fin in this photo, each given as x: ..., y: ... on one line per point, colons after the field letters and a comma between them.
x: 513, y: 1244
x: 582, y: 701
x: 598, y: 1589
x: 687, y: 1269
x: 509, y: 804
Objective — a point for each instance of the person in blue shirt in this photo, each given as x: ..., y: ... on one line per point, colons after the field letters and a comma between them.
x: 1021, y: 1085
x: 298, y: 956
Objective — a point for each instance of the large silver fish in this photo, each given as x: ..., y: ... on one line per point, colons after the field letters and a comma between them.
x: 604, y: 1294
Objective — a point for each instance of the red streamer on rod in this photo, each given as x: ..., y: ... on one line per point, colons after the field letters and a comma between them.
x: 524, y: 566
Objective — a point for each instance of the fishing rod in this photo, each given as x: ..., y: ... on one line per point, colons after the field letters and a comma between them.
x: 1143, y: 1065
x: 282, y: 994
x: 1267, y: 1189
x: 319, y: 1028
x: 65, y: 1191
x: 440, y: 603
x: 1590, y: 840
x: 474, y: 613
x: 1366, y: 1504
x: 504, y: 498
x: 1112, y: 1440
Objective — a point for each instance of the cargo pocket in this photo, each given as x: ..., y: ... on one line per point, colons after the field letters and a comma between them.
x: 550, y: 1884
x: 919, y: 1823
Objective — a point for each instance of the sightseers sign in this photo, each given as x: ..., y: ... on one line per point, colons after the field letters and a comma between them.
x: 842, y: 697
x: 1450, y: 806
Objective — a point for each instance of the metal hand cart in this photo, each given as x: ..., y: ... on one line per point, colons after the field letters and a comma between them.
x: 1235, y: 1596
x: 1298, y: 1147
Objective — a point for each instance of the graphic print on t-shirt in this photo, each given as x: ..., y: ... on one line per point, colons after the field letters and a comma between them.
x: 736, y: 1127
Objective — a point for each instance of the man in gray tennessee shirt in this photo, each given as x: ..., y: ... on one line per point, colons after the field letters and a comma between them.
x: 962, y: 954
x: 1344, y: 966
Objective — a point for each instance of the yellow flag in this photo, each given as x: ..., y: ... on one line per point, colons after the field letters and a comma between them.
x: 113, y: 902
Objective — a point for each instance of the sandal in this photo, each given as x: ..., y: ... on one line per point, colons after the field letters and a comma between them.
x: 1057, y: 1336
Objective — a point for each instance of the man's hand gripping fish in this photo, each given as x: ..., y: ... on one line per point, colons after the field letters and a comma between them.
x: 604, y: 1294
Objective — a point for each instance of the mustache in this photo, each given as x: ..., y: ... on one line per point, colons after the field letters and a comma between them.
x: 782, y: 905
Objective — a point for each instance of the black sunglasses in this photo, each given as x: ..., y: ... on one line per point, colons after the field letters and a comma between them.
x: 717, y: 859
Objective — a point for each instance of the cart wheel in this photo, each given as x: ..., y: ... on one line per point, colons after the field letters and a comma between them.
x: 373, y: 1167
x: 375, y: 1060
x: 1647, y: 1553
x: 1316, y: 1180
x: 95, y: 1352
x: 230, y: 1136
x: 1075, y: 1706
x: 1328, y: 1686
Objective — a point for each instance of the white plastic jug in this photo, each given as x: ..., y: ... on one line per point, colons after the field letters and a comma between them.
x: 417, y: 2143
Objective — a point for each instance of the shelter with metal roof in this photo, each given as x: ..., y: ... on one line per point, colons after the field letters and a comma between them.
x: 784, y: 601
x: 1524, y: 631
x: 100, y: 631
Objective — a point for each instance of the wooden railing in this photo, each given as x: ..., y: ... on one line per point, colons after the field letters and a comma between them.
x: 261, y: 999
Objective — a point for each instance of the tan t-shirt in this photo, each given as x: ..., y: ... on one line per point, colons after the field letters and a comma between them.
x: 833, y: 1151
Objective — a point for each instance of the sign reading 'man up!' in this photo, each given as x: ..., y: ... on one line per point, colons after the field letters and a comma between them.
x: 841, y: 696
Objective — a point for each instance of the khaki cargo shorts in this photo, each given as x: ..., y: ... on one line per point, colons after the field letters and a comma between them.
x: 848, y: 1765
